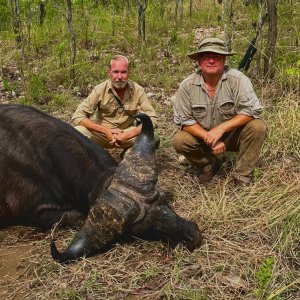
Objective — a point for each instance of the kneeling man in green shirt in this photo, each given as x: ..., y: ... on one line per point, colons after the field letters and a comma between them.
x: 217, y: 110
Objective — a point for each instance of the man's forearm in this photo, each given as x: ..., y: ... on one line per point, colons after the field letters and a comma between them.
x: 195, y: 130
x: 235, y: 122
x: 212, y: 136
x: 134, y: 132
x: 89, y: 124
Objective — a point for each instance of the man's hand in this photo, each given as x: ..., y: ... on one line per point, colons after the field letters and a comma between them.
x: 121, y: 137
x: 111, y: 135
x: 219, y: 148
x: 216, y: 133
x: 124, y: 136
x: 213, y: 136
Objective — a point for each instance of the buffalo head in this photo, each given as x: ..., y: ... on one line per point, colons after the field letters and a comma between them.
x: 132, y: 204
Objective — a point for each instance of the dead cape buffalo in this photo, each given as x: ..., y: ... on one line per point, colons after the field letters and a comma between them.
x: 49, y: 172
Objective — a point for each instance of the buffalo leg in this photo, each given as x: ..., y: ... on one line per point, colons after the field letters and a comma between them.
x: 46, y: 218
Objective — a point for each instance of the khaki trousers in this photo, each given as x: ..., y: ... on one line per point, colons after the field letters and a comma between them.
x: 246, y: 140
x: 101, y: 140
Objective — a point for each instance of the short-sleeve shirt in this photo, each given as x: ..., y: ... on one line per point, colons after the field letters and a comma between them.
x: 103, y: 106
x: 234, y: 95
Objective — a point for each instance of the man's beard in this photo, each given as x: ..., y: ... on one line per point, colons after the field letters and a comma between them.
x: 119, y: 85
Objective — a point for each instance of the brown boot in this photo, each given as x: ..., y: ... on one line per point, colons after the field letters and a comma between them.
x: 206, y: 176
x: 241, y: 181
x: 182, y: 160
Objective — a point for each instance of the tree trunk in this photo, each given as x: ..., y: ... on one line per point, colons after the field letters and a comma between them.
x: 176, y: 10
x: 162, y: 7
x: 113, y: 17
x: 128, y: 10
x: 28, y: 23
x: 42, y: 12
x: 73, y: 38
x: 142, y: 19
x: 17, y: 24
x: 181, y: 10
x: 227, y: 18
x: 259, y: 38
x: 191, y: 7
x: 272, y: 37
x: 85, y: 18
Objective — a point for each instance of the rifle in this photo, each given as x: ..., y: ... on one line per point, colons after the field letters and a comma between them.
x: 245, y: 62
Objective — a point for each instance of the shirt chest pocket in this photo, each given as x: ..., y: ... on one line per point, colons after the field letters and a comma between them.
x: 109, y: 106
x: 200, y: 114
x: 199, y: 111
x: 130, y: 110
x: 227, y: 110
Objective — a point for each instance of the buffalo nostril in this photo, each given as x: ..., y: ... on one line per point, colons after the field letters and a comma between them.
x: 193, y: 237
x: 192, y: 231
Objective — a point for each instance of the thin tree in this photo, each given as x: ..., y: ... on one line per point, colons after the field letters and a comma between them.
x: 228, y: 22
x: 142, y: 6
x: 176, y: 10
x: 191, y: 7
x: 262, y: 16
x: 162, y: 5
x: 16, y: 23
x: 113, y: 18
x: 73, y: 38
x: 181, y: 10
x: 178, y: 5
x: 128, y: 9
x: 85, y: 18
x: 42, y: 12
x: 272, y: 37
x: 28, y: 21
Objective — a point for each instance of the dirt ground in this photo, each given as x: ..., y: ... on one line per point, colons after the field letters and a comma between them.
x: 17, y: 245
x: 236, y: 225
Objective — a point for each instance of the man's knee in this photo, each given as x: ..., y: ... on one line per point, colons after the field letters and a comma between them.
x: 177, y: 141
x: 181, y: 140
x: 84, y: 131
x: 257, y: 128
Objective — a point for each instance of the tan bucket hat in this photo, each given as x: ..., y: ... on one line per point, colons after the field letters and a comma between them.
x: 213, y: 45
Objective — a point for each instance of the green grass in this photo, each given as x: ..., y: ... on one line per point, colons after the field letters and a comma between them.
x: 251, y: 235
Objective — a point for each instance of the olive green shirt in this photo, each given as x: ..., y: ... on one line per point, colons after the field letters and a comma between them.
x: 103, y: 106
x: 234, y: 95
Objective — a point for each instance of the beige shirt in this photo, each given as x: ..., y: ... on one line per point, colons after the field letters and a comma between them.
x: 234, y: 95
x: 103, y: 106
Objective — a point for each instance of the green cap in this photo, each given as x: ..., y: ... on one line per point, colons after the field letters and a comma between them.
x: 213, y: 45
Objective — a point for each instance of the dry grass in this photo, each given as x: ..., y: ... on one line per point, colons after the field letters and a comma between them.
x: 243, y: 228
x: 251, y: 235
